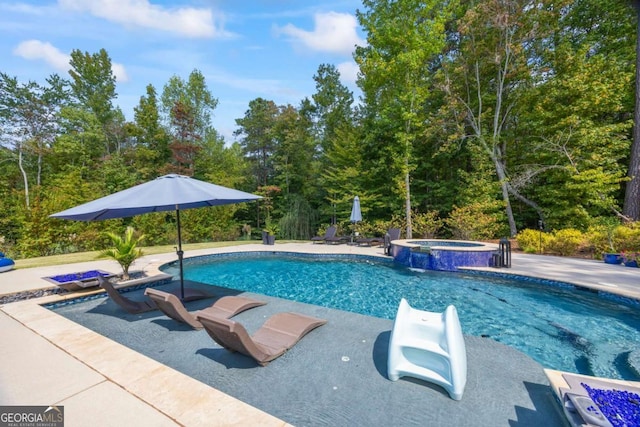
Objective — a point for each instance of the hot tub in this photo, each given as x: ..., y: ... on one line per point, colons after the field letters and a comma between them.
x: 445, y: 255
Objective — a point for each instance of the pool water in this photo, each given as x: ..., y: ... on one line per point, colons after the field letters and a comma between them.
x: 560, y: 327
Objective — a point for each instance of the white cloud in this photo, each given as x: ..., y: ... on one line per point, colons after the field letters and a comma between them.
x: 35, y: 49
x: 348, y: 72
x: 119, y: 72
x: 186, y: 21
x: 38, y: 50
x: 334, y: 32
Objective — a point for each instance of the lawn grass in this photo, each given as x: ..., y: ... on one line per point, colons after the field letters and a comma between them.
x: 94, y: 255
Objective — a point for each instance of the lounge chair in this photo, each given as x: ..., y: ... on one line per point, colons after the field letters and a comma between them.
x: 370, y: 241
x: 224, y: 307
x: 330, y: 233
x: 129, y: 305
x: 278, y: 334
x: 392, y: 234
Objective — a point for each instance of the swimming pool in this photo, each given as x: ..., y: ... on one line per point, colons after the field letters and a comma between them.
x: 558, y: 326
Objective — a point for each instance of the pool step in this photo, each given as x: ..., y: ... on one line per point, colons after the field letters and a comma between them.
x: 624, y: 364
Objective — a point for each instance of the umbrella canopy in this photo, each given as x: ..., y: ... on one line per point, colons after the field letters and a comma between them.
x: 166, y: 193
x: 356, y: 215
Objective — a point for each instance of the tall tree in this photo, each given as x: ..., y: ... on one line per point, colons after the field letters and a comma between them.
x: 194, y: 96
x: 484, y: 72
x: 404, y: 38
x: 332, y: 103
x: 94, y: 86
x: 28, y: 123
x: 632, y: 195
x: 188, y: 105
x: 256, y: 132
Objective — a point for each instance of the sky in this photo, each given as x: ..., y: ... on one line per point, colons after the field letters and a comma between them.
x: 245, y: 48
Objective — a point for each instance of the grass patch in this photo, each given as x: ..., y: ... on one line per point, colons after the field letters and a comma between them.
x: 94, y: 255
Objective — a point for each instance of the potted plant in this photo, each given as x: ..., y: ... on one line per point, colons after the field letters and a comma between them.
x: 612, y: 258
x: 629, y: 258
x: 125, y: 250
x: 269, y: 232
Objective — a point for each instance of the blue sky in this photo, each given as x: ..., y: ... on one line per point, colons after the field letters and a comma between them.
x: 245, y: 48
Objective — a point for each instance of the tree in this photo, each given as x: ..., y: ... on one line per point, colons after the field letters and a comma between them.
x: 188, y: 105
x: 483, y: 74
x: 632, y: 194
x: 94, y: 87
x: 194, y: 97
x: 331, y: 103
x: 404, y: 38
x: 28, y: 123
x: 256, y: 132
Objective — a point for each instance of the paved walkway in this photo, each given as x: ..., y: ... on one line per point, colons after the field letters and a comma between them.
x: 46, y: 359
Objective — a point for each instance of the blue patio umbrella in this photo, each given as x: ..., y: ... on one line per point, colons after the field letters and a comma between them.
x: 165, y: 193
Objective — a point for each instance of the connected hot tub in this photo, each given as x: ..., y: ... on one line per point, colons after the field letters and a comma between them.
x: 445, y: 255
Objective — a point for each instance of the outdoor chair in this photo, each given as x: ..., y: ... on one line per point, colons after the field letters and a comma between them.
x: 370, y: 241
x: 392, y: 234
x: 278, y: 334
x: 225, y: 307
x: 129, y: 305
x: 330, y: 233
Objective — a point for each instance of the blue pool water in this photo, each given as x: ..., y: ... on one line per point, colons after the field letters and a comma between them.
x: 558, y: 326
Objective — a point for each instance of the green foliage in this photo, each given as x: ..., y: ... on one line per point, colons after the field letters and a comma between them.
x: 125, y: 250
x: 426, y: 225
x: 566, y: 241
x: 271, y: 226
x: 609, y: 236
x: 296, y: 223
x: 472, y: 222
x: 533, y: 241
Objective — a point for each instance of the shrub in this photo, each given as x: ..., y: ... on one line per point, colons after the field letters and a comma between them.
x: 472, y: 223
x: 533, y: 241
x: 612, y: 238
x: 426, y: 225
x: 566, y: 242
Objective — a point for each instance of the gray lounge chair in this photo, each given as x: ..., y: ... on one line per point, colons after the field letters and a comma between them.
x: 278, y: 334
x: 370, y: 241
x: 392, y: 234
x: 224, y: 307
x: 330, y: 233
x: 129, y: 305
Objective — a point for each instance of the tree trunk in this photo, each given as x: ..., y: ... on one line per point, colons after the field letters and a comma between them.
x: 632, y: 194
x: 502, y: 177
x: 24, y: 177
x: 407, y: 184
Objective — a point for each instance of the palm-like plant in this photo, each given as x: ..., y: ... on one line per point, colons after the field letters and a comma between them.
x: 125, y: 250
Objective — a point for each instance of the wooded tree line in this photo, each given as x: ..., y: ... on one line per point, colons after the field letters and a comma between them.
x: 477, y: 119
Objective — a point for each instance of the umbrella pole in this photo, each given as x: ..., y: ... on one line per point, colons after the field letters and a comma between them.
x: 180, y: 253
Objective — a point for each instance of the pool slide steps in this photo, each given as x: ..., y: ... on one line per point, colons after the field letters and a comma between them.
x: 428, y: 346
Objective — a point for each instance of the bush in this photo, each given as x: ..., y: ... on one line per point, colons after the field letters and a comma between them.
x: 566, y: 242
x: 426, y: 225
x: 613, y: 238
x: 472, y: 223
x: 533, y: 241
